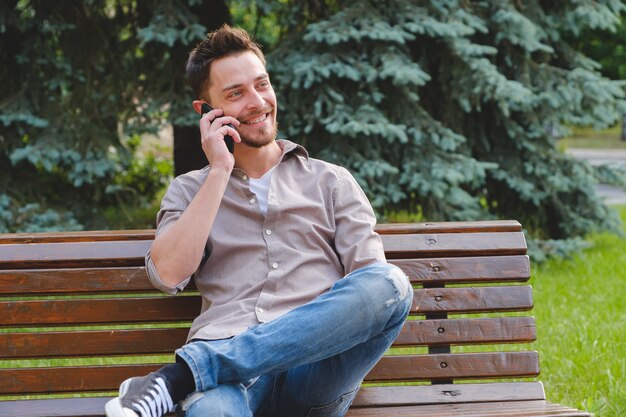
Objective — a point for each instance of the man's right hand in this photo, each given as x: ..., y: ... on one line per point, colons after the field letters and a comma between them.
x: 213, y: 128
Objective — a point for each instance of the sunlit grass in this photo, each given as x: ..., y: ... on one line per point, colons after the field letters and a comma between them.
x: 593, y: 139
x: 580, y: 305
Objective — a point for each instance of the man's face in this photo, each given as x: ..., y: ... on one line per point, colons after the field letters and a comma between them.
x: 241, y: 86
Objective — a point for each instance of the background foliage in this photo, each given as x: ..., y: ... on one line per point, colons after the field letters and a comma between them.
x: 80, y: 81
x: 449, y: 108
x: 445, y: 109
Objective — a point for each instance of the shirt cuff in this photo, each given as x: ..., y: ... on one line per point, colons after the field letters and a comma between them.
x: 157, y: 282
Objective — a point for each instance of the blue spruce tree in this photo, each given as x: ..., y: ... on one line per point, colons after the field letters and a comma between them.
x: 448, y: 108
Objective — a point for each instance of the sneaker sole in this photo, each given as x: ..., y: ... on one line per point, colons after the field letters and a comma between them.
x: 113, y: 408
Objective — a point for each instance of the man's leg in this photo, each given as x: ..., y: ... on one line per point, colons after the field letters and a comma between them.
x: 364, y: 305
x: 327, y: 388
x: 358, y: 308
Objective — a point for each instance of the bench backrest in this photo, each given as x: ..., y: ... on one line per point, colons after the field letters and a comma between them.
x: 79, y: 315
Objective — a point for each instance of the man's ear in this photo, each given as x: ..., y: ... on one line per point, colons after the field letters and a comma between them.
x: 197, y: 105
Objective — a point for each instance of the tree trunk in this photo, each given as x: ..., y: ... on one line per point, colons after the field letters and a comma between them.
x: 188, y: 154
x: 624, y: 127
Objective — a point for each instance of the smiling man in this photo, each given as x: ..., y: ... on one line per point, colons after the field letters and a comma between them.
x: 298, y: 302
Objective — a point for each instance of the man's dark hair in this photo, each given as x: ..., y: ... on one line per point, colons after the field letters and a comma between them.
x: 221, y: 43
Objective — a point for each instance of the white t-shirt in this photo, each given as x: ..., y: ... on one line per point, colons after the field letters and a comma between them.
x: 261, y: 188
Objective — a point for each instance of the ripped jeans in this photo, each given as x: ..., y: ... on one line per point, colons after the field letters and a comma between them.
x: 307, y: 363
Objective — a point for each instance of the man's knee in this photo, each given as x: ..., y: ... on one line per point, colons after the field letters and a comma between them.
x: 382, y: 275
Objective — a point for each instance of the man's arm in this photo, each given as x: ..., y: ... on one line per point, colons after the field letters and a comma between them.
x: 177, y: 252
x: 356, y: 242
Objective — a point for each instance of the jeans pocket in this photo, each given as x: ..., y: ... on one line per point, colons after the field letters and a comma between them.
x: 337, y: 408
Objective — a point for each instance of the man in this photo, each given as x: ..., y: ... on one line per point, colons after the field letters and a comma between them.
x: 298, y: 303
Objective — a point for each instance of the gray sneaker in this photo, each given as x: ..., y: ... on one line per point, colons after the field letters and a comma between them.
x: 146, y: 396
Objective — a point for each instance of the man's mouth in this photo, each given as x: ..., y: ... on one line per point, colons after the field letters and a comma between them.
x: 256, y: 120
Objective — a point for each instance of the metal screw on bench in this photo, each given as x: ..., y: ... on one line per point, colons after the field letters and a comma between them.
x: 435, y: 268
x: 443, y: 365
x: 439, y: 298
x: 441, y: 330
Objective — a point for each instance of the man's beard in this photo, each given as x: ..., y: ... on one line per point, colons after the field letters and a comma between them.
x: 267, y: 136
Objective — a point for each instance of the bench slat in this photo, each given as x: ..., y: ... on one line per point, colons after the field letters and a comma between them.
x: 467, y: 331
x: 58, y: 407
x: 134, y: 279
x: 448, y: 393
x: 367, y: 397
x: 450, y: 227
x: 148, y: 234
x: 390, y: 368
x: 81, y: 236
x: 74, y: 281
x: 74, y: 254
x: 472, y: 299
x: 456, y: 366
x: 165, y: 341
x: 94, y: 407
x: 454, y: 244
x: 466, y: 270
x: 489, y: 409
x: 99, y: 311
x: 78, y: 254
x: 68, y: 378
x: 163, y: 309
x: 91, y: 343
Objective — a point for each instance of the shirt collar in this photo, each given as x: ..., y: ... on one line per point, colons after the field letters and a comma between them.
x: 290, y: 147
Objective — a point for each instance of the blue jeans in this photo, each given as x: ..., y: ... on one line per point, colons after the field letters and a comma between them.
x: 308, y: 362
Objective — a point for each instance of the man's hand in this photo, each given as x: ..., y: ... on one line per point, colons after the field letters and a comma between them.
x: 213, y: 128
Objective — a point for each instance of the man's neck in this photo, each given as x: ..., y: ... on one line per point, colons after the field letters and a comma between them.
x: 257, y: 161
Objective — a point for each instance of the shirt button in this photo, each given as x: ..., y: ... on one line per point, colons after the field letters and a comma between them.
x: 252, y: 200
x: 244, y: 177
x: 275, y: 265
x: 268, y: 232
x: 260, y: 310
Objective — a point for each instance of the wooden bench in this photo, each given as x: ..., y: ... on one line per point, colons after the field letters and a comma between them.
x: 67, y: 298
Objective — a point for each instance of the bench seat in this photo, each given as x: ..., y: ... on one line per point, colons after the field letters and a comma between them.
x: 79, y: 316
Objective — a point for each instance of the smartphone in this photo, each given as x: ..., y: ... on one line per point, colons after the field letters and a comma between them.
x: 230, y: 143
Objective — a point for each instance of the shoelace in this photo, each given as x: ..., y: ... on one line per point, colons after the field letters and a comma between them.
x: 157, y: 402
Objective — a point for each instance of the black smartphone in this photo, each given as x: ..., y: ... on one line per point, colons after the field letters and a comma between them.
x: 230, y: 143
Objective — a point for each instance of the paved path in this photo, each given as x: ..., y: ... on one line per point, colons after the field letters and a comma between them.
x: 612, y: 195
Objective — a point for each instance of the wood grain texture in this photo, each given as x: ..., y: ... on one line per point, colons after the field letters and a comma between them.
x: 456, y: 366
x: 448, y: 393
x: 99, y: 311
x: 74, y: 281
x: 367, y: 397
x: 148, y: 234
x: 490, y: 409
x: 453, y: 244
x: 68, y: 378
x: 472, y: 299
x: 467, y: 331
x: 91, y: 343
x: 74, y: 254
x: 466, y: 270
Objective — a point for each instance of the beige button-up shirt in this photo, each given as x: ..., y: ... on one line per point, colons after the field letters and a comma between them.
x: 319, y: 227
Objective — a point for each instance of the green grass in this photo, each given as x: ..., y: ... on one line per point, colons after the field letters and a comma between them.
x: 580, y: 305
x: 593, y: 139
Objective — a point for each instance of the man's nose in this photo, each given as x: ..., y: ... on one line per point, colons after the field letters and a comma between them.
x: 256, y: 100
